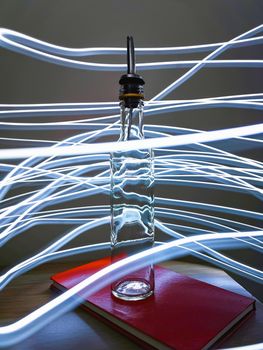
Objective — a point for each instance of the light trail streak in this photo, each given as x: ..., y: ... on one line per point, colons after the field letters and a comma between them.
x: 29, y: 324
x: 151, y: 110
x: 208, y: 136
x: 32, y: 47
x: 59, y: 180
x: 248, y: 347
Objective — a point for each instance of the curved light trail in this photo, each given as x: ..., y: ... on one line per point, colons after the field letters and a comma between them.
x: 62, y: 171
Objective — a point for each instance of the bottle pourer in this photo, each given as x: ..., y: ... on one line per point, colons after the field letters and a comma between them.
x: 131, y: 90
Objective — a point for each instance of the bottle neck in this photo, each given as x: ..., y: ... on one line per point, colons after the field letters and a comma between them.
x: 131, y: 122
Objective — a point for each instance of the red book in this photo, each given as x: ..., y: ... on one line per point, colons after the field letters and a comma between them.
x: 183, y: 313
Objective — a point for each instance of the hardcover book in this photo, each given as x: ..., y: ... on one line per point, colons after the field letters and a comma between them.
x: 183, y: 313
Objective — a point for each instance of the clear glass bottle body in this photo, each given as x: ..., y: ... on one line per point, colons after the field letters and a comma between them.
x: 132, y: 207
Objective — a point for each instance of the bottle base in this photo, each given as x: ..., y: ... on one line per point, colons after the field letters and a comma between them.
x: 132, y: 290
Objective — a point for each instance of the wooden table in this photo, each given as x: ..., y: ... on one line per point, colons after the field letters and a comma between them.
x: 79, y: 330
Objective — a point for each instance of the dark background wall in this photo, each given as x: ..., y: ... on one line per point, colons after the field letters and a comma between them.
x: 87, y: 23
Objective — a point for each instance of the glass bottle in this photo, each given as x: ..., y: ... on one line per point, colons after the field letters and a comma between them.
x: 132, y: 197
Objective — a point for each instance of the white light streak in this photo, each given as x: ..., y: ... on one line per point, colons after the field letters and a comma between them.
x: 183, y: 157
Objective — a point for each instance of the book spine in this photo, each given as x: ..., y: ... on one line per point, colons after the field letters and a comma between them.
x: 220, y: 343
x: 140, y: 342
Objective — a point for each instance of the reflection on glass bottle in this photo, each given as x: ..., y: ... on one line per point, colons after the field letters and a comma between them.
x: 132, y: 198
